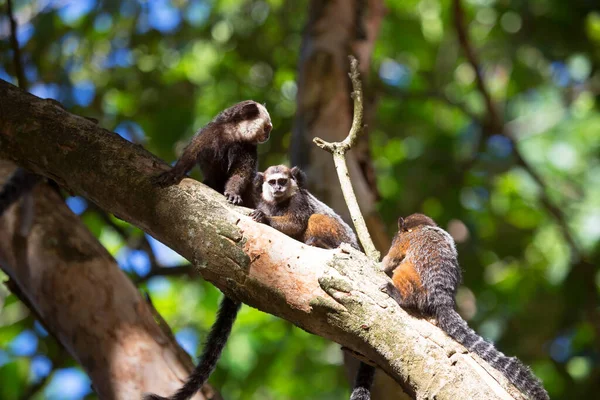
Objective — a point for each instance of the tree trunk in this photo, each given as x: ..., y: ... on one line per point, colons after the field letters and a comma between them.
x: 335, y: 30
x: 86, y: 301
x: 332, y: 293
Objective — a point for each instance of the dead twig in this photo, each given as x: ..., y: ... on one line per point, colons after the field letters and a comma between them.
x: 338, y: 150
x: 14, y: 43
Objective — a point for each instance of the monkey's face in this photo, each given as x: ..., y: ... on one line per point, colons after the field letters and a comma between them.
x: 252, y: 121
x: 278, y: 184
x: 263, y: 132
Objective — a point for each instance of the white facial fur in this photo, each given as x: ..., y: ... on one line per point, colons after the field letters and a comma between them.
x: 267, y: 191
x: 250, y: 128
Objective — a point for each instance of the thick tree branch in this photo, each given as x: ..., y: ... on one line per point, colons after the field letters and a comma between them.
x: 332, y: 293
x: 77, y: 291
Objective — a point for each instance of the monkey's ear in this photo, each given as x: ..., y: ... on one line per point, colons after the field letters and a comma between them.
x: 401, y: 225
x: 299, y: 176
x: 259, y: 178
x: 249, y: 111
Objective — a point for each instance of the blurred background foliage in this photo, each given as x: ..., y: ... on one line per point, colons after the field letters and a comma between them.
x: 524, y: 207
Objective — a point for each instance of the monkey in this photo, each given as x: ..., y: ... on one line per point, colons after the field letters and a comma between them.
x: 226, y: 151
x: 423, y: 265
x: 286, y: 205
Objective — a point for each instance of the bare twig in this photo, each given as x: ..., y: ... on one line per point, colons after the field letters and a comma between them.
x: 166, y: 271
x: 14, y: 43
x: 338, y: 150
x: 552, y: 209
x: 463, y: 37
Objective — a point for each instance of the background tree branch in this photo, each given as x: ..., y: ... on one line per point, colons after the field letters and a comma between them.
x: 79, y: 293
x: 334, y: 294
x: 495, y: 124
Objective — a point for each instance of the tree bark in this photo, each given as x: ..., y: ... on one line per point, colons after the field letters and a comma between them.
x: 335, y: 30
x: 331, y: 293
x: 86, y: 301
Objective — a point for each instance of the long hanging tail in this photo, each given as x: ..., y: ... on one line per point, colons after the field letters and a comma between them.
x: 363, y: 382
x: 217, y: 338
x: 517, y: 373
x: 19, y: 183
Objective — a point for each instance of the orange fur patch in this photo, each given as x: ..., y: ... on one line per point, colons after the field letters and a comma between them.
x: 323, y: 227
x: 407, y: 280
x: 398, y: 249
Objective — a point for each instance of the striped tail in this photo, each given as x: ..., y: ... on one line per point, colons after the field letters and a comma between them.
x: 217, y: 338
x: 517, y: 373
x: 19, y: 183
x: 363, y: 382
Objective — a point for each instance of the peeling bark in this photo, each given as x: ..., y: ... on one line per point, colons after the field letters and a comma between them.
x: 331, y: 293
x: 87, y: 302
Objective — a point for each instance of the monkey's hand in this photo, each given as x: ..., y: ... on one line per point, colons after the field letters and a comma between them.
x: 233, y: 198
x: 259, y: 216
x: 167, y: 178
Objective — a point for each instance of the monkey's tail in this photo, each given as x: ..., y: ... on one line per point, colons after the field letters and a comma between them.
x: 516, y: 372
x: 19, y: 183
x: 217, y: 338
x: 363, y: 382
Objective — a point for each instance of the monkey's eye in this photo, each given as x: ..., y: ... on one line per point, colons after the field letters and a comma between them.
x: 272, y: 182
x: 282, y: 181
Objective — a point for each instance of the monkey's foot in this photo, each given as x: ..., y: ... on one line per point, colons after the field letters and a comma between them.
x: 391, y: 291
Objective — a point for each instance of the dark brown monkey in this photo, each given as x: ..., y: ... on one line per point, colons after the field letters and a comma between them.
x: 287, y: 206
x: 423, y: 265
x: 225, y: 150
